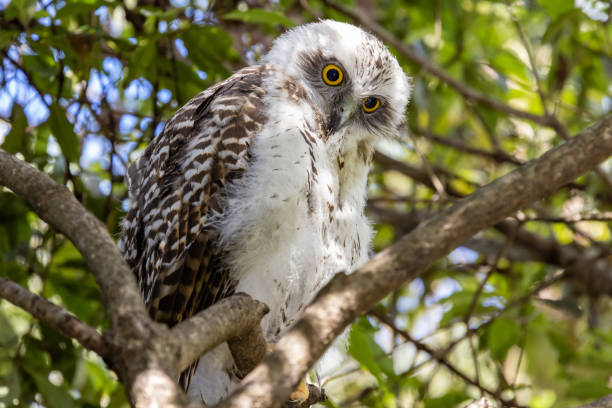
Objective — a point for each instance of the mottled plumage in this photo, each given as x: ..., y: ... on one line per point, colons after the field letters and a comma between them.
x: 258, y: 184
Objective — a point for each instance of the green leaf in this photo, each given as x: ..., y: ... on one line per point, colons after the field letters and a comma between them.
x: 259, y: 16
x: 510, y: 65
x: 12, y: 382
x: 589, y: 389
x: 67, y: 254
x: 501, y: 335
x: 12, y: 207
x: 557, y: 7
x: 365, y: 350
x: 8, y: 337
x: 450, y: 399
x: 16, y: 139
x: 542, y: 356
x: 77, y: 8
x: 567, y: 305
x: 544, y: 399
x: 23, y: 10
x: 7, y: 37
x: 42, y: 64
x: 142, y: 61
x: 460, y: 303
x: 209, y: 55
x: 56, y: 397
x: 64, y: 132
x: 118, y: 399
x: 384, y: 236
x: 565, y: 349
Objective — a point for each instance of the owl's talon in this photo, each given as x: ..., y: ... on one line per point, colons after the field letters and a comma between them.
x: 305, y: 395
x: 297, y: 397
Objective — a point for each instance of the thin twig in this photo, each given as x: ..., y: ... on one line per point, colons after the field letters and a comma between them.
x: 58, y: 318
x: 442, y: 360
x: 499, y: 156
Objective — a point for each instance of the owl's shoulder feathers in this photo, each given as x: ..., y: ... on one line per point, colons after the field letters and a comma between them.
x: 177, y: 181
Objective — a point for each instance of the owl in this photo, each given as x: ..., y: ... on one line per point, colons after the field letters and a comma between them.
x: 258, y: 185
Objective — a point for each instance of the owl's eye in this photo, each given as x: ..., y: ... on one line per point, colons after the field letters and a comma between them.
x: 332, y: 75
x: 370, y: 104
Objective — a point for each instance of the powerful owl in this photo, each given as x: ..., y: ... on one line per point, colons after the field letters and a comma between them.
x: 258, y: 185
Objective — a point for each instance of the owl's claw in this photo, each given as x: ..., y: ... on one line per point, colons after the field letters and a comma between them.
x: 298, y: 396
x: 305, y: 395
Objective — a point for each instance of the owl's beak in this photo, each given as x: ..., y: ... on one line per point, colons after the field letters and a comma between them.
x: 340, y: 116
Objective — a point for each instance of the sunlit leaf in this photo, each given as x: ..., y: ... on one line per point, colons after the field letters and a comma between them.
x: 56, y: 397
x: 365, y: 350
x: 17, y: 139
x: 259, y: 16
x: 589, y: 389
x: 451, y: 399
x: 64, y: 132
x: 501, y: 335
x: 22, y: 10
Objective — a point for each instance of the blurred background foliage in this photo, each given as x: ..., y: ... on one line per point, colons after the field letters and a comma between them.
x: 520, y: 314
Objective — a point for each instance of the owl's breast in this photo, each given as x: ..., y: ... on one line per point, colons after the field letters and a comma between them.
x: 292, y: 221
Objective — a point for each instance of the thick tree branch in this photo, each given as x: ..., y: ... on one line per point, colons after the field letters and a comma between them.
x: 527, y: 246
x: 139, y: 350
x: 56, y: 205
x: 61, y: 320
x: 143, y: 352
x: 605, y: 402
x: 348, y: 296
x: 230, y: 317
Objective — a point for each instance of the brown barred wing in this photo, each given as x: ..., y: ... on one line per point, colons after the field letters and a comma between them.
x: 176, y: 186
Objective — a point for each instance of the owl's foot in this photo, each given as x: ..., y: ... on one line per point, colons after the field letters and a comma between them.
x: 298, y: 396
x: 305, y: 395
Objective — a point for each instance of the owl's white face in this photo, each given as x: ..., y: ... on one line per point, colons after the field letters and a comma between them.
x: 349, y: 75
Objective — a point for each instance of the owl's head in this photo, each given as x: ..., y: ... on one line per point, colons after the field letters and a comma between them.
x: 349, y: 74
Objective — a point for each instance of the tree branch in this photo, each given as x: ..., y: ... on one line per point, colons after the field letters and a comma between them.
x: 141, y: 351
x: 230, y: 317
x: 348, y: 296
x: 56, y: 205
x: 58, y: 318
x: 413, y: 172
x: 497, y: 155
x: 138, y: 347
x: 605, y: 402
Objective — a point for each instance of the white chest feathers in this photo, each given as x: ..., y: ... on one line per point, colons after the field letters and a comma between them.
x: 296, y: 217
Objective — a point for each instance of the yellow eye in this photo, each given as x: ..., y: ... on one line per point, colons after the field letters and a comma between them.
x: 332, y: 75
x: 370, y: 104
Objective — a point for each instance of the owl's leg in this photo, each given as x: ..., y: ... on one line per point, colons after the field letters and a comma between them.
x: 305, y: 394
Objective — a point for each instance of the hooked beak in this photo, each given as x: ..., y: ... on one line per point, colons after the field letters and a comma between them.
x: 339, y: 116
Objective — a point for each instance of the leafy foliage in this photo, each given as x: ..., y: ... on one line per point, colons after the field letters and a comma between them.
x: 519, y: 314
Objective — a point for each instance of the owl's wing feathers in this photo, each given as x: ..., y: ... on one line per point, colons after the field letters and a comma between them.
x: 176, y: 185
